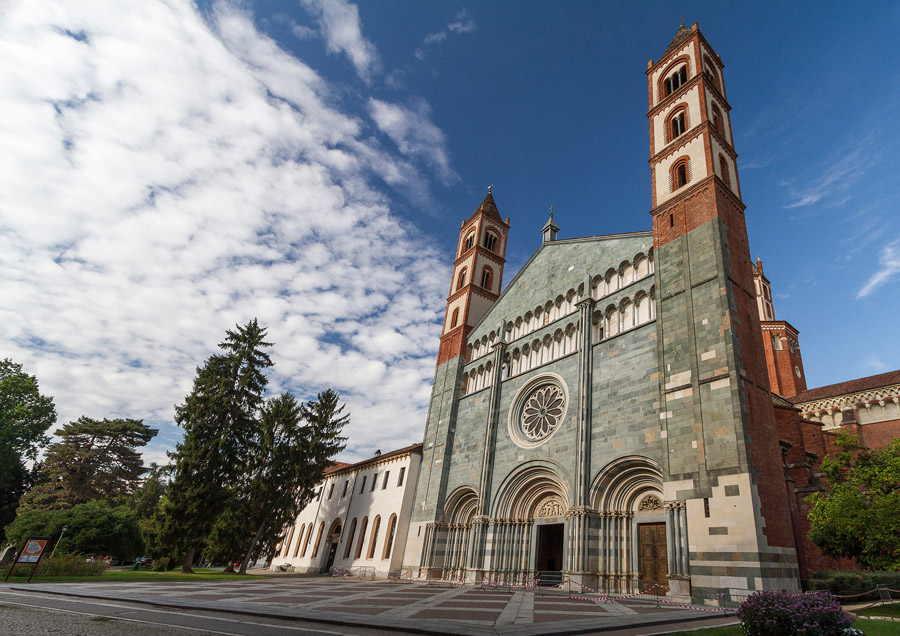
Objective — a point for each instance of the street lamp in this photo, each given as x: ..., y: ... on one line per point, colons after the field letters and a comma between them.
x: 62, y: 532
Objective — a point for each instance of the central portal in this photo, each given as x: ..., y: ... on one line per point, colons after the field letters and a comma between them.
x: 549, y: 554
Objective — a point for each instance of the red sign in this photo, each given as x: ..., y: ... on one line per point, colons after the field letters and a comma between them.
x: 32, y: 551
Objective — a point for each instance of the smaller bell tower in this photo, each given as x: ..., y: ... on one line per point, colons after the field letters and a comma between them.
x: 477, y: 276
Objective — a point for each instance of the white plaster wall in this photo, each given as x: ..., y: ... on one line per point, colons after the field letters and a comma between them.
x: 692, y: 99
x: 478, y: 307
x: 694, y: 150
x: 688, y: 49
x: 460, y: 304
x: 382, y: 501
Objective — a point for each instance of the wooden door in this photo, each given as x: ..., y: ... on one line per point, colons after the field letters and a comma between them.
x: 653, y: 556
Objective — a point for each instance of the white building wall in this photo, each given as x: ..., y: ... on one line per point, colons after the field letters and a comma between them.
x: 360, y: 502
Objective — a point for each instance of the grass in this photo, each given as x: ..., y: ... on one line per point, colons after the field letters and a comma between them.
x: 131, y: 576
x: 881, y: 610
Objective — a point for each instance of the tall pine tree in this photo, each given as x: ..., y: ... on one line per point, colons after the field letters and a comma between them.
x: 219, y: 418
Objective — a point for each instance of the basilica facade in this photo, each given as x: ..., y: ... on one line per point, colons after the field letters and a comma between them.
x: 608, y: 416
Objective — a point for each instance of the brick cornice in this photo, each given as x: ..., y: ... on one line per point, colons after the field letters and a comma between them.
x: 694, y: 189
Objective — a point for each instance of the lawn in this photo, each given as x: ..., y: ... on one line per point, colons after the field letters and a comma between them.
x: 131, y: 576
x: 892, y: 609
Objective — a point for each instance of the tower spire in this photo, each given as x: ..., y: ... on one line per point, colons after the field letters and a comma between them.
x: 550, y: 229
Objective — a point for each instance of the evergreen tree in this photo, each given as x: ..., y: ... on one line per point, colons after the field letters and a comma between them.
x: 219, y: 418
x: 94, y: 459
x: 297, y: 445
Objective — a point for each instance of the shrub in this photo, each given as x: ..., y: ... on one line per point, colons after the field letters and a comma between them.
x: 67, y: 565
x: 849, y: 583
x: 783, y: 614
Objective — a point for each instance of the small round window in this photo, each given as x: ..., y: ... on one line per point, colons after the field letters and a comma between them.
x: 538, y: 410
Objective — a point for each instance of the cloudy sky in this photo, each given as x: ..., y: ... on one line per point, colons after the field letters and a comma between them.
x: 171, y: 169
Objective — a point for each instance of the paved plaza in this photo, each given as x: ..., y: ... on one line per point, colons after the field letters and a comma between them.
x: 397, y: 607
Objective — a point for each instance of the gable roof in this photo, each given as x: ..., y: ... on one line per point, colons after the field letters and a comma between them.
x: 850, y: 386
x: 340, y: 467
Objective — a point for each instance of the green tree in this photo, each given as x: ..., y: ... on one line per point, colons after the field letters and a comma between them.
x: 94, y: 459
x: 219, y: 418
x: 94, y: 527
x: 25, y: 416
x: 858, y: 516
x: 296, y: 444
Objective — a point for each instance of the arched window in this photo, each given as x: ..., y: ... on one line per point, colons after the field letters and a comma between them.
x: 374, y: 539
x: 490, y: 240
x: 709, y: 71
x: 486, y: 277
x: 681, y: 173
x: 362, y: 537
x: 470, y: 241
x: 318, y: 539
x: 306, y: 540
x: 392, y: 526
x: 461, y: 281
x: 677, y: 124
x: 676, y: 80
x: 299, y: 540
x: 350, y: 536
x: 455, y: 318
x: 723, y: 168
x: 287, y: 544
x: 717, y: 120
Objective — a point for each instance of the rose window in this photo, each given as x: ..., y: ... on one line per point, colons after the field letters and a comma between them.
x: 542, y: 412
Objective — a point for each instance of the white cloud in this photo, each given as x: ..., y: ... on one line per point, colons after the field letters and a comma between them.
x: 342, y: 31
x: 412, y: 130
x: 463, y: 23
x: 889, y: 267
x: 163, y: 178
x: 302, y: 32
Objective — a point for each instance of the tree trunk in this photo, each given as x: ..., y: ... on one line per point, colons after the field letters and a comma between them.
x: 188, y: 562
x: 252, y: 547
x: 229, y: 567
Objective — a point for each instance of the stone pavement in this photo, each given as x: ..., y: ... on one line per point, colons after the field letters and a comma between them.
x: 401, y: 607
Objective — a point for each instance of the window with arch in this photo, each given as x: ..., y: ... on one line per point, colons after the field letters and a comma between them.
x: 454, y: 318
x: 723, y: 169
x: 677, y: 124
x: 374, y: 539
x: 287, y: 544
x: 461, y: 280
x: 318, y: 539
x: 490, y: 240
x: 676, y: 80
x: 486, y: 277
x: 717, y: 120
x: 469, y: 242
x: 681, y: 173
x: 299, y: 541
x: 709, y: 71
x: 362, y: 537
x: 350, y: 536
x: 392, y: 526
x: 306, y: 540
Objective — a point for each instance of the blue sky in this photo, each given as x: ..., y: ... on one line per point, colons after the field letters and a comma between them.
x: 169, y: 169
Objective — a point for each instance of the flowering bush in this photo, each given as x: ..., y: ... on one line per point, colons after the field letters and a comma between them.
x: 783, y: 614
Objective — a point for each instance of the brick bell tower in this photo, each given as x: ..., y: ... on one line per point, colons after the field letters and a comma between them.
x: 477, y: 276
x: 475, y: 285
x: 723, y: 463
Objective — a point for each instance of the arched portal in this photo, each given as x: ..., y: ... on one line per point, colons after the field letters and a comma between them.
x: 636, y: 537
x: 334, y: 538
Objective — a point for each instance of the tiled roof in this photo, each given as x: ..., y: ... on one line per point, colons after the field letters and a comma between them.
x: 683, y: 34
x: 489, y: 208
x: 850, y: 386
x: 415, y: 448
